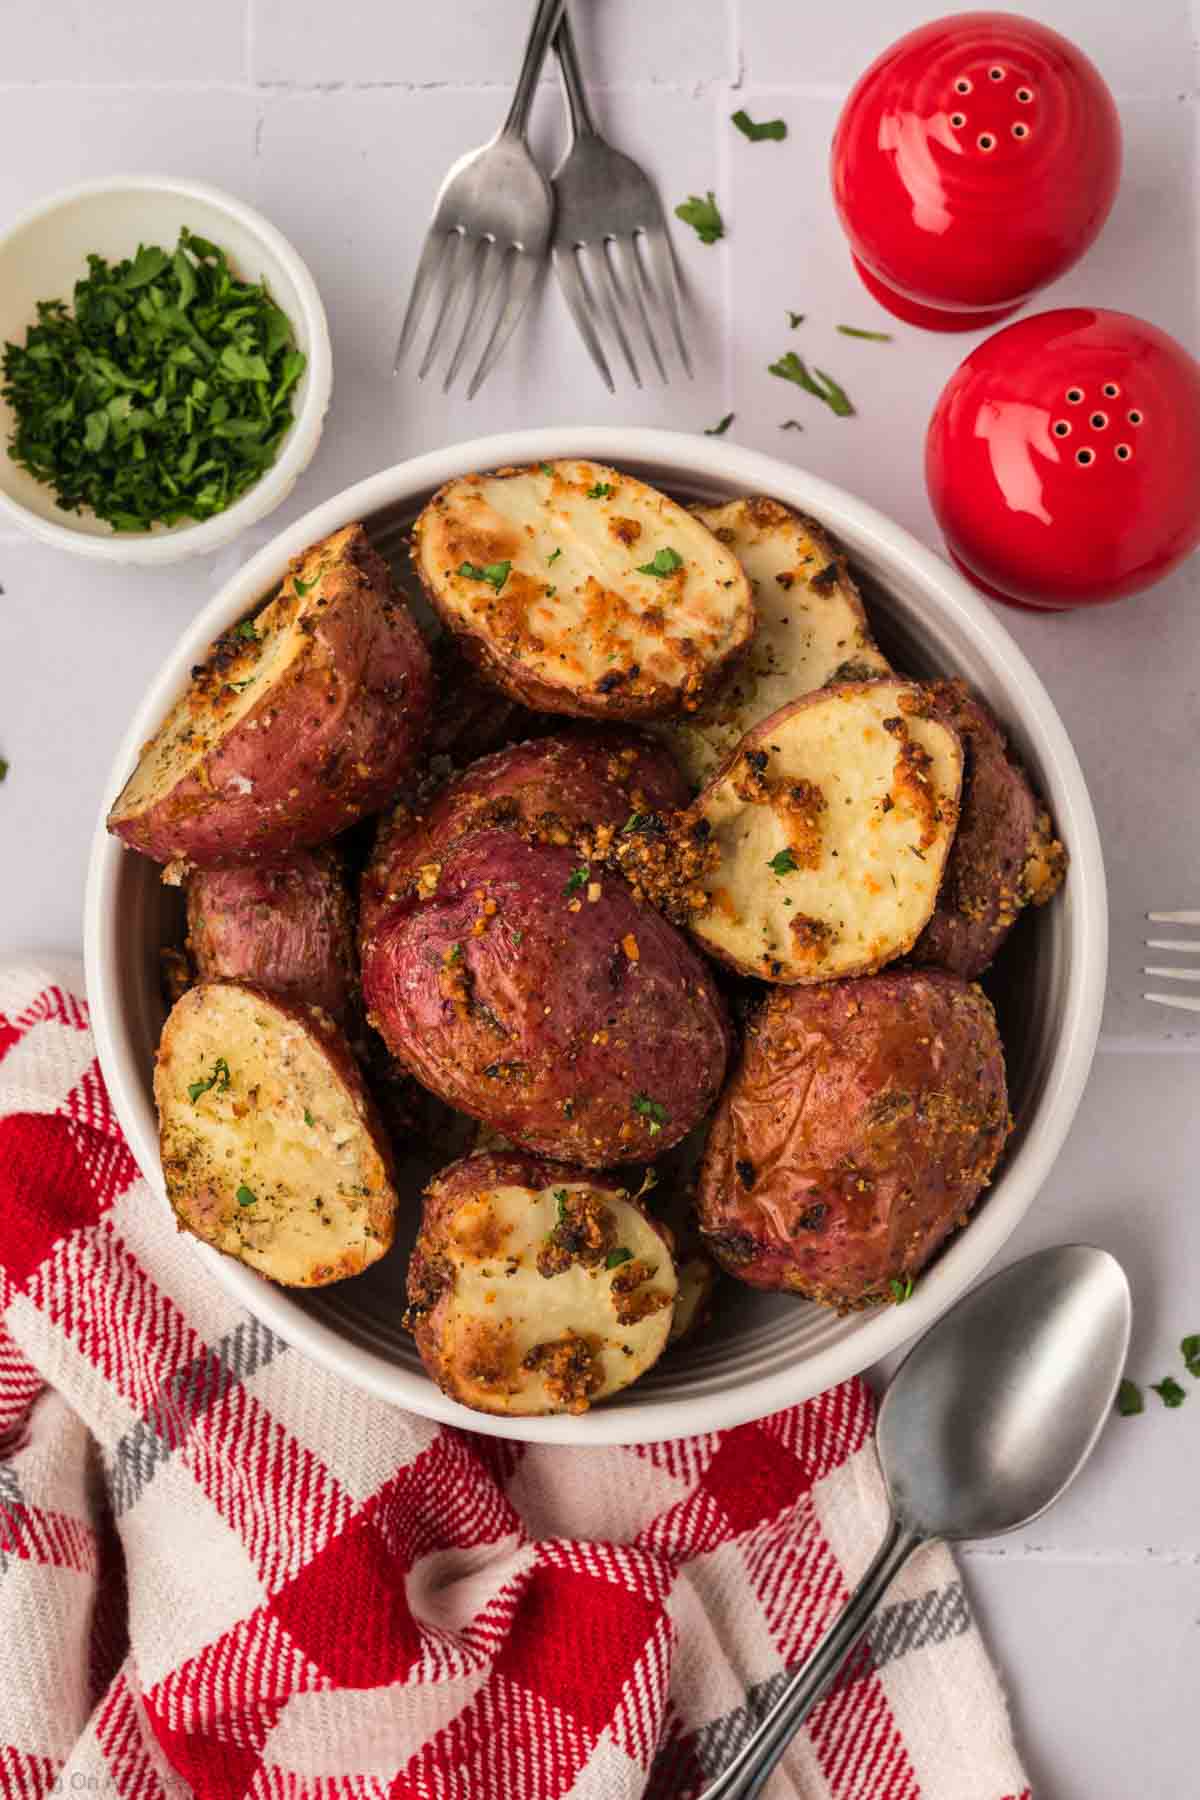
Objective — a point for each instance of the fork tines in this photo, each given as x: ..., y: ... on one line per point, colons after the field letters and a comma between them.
x: 496, y: 283
x: 1171, y: 972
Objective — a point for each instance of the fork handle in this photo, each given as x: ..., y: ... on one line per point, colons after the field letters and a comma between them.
x: 542, y: 27
x: 582, y: 123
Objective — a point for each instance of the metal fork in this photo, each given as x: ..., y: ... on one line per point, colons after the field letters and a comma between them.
x: 1167, y: 972
x: 610, y: 236
x: 490, y: 230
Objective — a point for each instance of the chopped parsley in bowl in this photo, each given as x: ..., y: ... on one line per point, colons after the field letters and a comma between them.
x: 161, y: 395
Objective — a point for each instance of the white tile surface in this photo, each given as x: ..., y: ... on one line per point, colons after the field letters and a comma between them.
x: 339, y: 121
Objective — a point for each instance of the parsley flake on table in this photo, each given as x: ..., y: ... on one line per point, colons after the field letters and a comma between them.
x: 577, y: 878
x: 770, y: 128
x: 616, y: 1257
x: 873, y: 337
x: 721, y: 428
x: 495, y: 574
x: 1129, y: 1399
x: 1169, y: 1391
x: 783, y: 863
x: 795, y: 319
x: 219, y: 1079
x: 791, y: 425
x: 663, y: 562
x: 822, y: 386
x: 160, y: 393
x: 1190, y: 1349
x: 653, y: 1111
x: 4, y: 768
x: 704, y: 216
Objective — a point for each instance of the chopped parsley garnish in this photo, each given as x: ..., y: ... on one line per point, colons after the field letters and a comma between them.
x: 600, y: 491
x: 1129, y: 1399
x: 873, y: 337
x: 900, y: 1289
x: 547, y: 470
x: 771, y: 128
x: 561, y: 1197
x: 791, y: 425
x: 495, y: 574
x: 704, y: 216
x: 246, y: 1196
x: 634, y: 822
x: 550, y: 592
x: 246, y: 630
x: 160, y: 392
x: 795, y: 319
x: 663, y: 562
x: 4, y: 766
x: 720, y: 429
x: 219, y: 1079
x: 1190, y: 1348
x: 308, y: 1118
x: 554, y: 556
x: 820, y: 385
x: 1169, y: 1391
x: 577, y: 879
x: 783, y: 863
x: 456, y: 953
x: 653, y: 1111
x: 616, y: 1257
x: 305, y: 588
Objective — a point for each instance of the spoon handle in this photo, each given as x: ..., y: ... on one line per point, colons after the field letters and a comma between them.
x: 750, y: 1770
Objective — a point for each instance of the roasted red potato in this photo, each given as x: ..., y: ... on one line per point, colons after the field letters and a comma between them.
x: 272, y: 1150
x: 471, y: 717
x: 861, y: 1126
x: 536, y: 1287
x: 577, y: 589
x: 546, y: 1002
x: 812, y: 629
x: 301, y: 720
x: 549, y: 788
x: 1005, y: 855
x: 286, y: 926
x: 831, y: 822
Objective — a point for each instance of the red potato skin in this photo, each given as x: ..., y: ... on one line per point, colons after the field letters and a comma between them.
x: 535, y: 1018
x: 863, y: 1122
x: 548, y: 787
x: 472, y: 718
x: 326, y: 744
x: 289, y: 927
x: 1004, y: 856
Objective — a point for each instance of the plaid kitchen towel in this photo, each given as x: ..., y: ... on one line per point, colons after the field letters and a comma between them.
x: 223, y: 1572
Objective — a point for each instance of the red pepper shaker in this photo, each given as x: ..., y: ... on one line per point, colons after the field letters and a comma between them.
x: 975, y: 161
x: 1063, y: 459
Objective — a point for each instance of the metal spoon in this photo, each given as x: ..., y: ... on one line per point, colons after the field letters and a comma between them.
x: 988, y: 1419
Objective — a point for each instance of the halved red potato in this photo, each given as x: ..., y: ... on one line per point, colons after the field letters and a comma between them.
x: 1005, y: 855
x: 832, y: 823
x: 812, y: 629
x: 302, y: 719
x: 536, y: 1287
x: 287, y: 926
x: 272, y: 1150
x: 543, y: 1000
x: 550, y: 788
x: 859, y: 1129
x: 577, y: 589
x: 471, y: 718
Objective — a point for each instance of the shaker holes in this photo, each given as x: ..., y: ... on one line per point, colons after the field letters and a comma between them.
x: 986, y: 141
x: 1123, y: 453
x: 1084, y: 457
x: 1074, y: 396
x: 1134, y: 416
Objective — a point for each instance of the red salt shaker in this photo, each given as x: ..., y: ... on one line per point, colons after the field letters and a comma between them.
x: 974, y: 162
x: 1063, y: 459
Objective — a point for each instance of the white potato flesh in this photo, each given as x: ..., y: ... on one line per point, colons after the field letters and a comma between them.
x: 567, y: 619
x: 833, y: 821
x: 811, y: 629
x: 500, y: 1309
x: 267, y: 1148
x: 697, y: 1279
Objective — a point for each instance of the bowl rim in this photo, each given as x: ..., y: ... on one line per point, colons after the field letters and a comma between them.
x: 203, y: 535
x: 1079, y: 1017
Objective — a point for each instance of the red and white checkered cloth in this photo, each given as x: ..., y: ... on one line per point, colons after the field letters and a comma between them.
x: 224, y: 1572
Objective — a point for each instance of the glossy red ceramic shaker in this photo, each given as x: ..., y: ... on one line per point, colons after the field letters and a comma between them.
x: 974, y: 162
x: 1063, y: 458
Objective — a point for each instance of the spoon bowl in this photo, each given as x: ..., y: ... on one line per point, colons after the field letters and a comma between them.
x: 994, y: 1412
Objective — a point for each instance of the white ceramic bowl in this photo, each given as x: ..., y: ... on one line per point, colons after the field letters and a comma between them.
x: 761, y: 1351
x: 42, y: 256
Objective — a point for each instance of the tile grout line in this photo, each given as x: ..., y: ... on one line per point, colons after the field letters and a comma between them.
x: 1172, y: 1557
x: 696, y: 89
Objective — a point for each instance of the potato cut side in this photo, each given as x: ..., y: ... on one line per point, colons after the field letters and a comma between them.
x: 812, y: 629
x: 578, y: 589
x: 833, y: 821
x: 523, y: 1326
x: 270, y: 1149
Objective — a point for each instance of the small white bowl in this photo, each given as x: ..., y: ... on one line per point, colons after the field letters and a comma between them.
x: 761, y: 1351
x: 42, y: 256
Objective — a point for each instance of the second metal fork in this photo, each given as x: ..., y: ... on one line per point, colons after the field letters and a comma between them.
x: 611, y: 251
